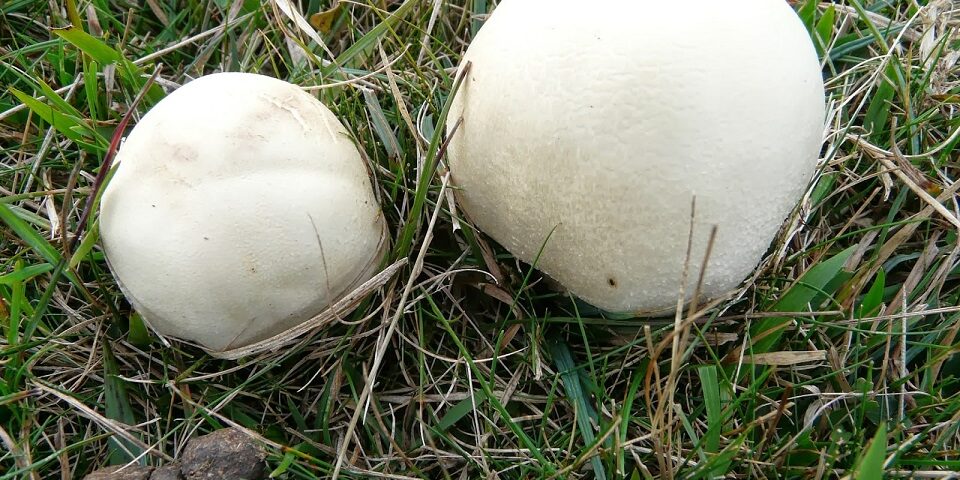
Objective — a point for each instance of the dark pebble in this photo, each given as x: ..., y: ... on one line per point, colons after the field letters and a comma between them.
x: 167, y: 472
x: 226, y: 453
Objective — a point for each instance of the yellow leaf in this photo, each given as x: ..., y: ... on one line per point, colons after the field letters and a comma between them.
x: 323, y: 21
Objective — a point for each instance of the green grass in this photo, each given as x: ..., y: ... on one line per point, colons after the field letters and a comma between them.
x: 837, y: 361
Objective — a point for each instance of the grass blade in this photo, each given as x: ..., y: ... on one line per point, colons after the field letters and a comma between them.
x: 461, y: 409
x: 118, y: 408
x: 88, y: 44
x: 587, y: 415
x: 767, y: 332
x: 34, y: 240
x: 870, y: 466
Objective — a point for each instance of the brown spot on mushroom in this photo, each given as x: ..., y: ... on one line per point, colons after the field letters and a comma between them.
x: 184, y: 152
x: 612, y: 282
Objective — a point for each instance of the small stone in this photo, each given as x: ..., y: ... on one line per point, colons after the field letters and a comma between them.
x: 121, y: 472
x: 167, y: 472
x: 227, y: 453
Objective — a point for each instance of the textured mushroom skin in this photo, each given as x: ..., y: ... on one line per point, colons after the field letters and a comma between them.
x: 240, y: 208
x: 600, y: 122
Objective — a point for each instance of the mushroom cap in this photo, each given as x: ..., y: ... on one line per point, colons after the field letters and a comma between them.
x: 240, y: 208
x: 588, y: 131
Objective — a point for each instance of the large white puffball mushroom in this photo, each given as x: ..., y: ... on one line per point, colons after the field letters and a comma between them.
x: 240, y: 208
x: 589, y: 127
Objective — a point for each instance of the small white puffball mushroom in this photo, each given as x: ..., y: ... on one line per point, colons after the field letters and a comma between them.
x: 240, y: 208
x: 588, y: 129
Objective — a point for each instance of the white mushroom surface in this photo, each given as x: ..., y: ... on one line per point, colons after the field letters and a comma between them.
x: 240, y: 208
x: 589, y: 127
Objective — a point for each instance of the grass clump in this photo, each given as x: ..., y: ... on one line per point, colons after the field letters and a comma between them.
x: 837, y: 360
